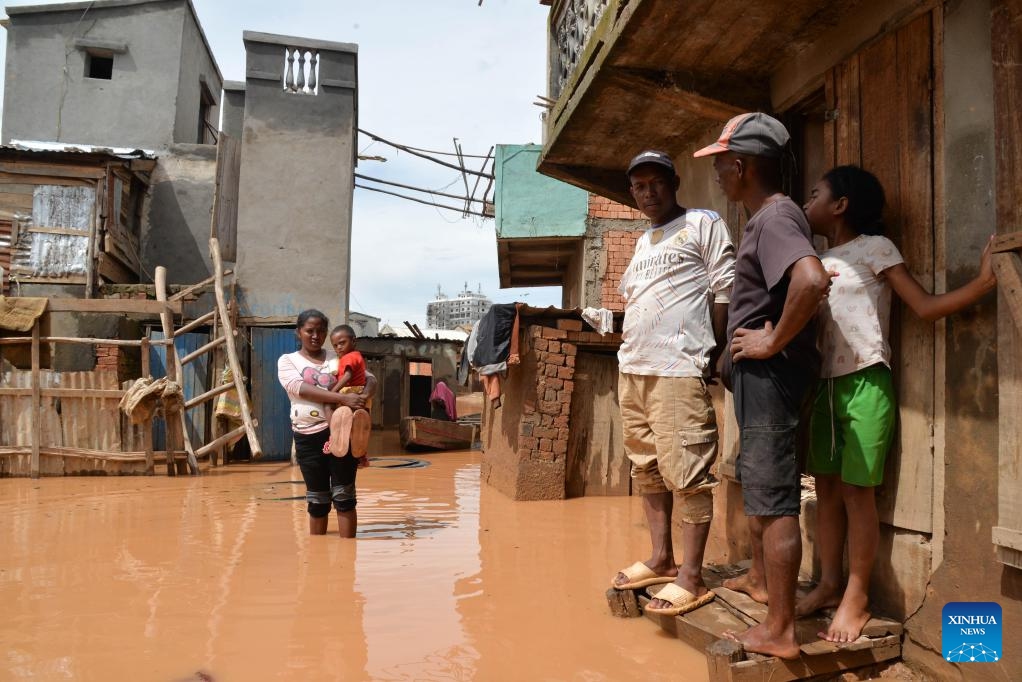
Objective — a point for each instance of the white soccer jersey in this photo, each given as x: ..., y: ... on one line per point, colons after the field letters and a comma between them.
x: 678, y: 271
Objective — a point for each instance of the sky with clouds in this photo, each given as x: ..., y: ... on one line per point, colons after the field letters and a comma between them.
x: 429, y: 71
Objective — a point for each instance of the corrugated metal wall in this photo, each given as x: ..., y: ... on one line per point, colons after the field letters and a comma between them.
x: 195, y: 381
x: 270, y: 404
x: 70, y: 421
x: 61, y: 218
x: 5, y: 255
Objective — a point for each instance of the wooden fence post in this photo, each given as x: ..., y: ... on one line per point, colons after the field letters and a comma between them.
x: 147, y: 426
x: 36, y: 400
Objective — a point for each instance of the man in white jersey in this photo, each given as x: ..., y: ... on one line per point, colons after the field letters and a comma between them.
x: 676, y: 297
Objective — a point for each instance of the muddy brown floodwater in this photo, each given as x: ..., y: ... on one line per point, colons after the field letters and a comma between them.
x: 160, y: 578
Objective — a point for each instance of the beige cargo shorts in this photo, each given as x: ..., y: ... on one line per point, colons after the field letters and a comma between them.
x: 670, y: 436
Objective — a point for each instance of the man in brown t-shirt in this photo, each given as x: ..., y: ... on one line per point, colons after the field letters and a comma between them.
x: 771, y: 365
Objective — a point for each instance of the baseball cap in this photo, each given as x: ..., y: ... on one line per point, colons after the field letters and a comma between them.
x: 755, y: 134
x: 651, y: 156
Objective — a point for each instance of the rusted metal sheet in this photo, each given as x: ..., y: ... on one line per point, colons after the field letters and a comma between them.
x: 271, y: 406
x: 84, y: 422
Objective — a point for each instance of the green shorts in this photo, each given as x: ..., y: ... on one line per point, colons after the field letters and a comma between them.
x: 852, y: 426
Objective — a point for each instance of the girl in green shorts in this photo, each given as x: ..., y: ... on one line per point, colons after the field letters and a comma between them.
x: 854, y: 413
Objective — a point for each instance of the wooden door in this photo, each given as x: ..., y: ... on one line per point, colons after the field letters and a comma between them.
x: 881, y: 104
x: 596, y: 461
x: 1006, y: 40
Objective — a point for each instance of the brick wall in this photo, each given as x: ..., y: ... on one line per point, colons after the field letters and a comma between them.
x: 544, y: 426
x: 619, y: 246
x: 602, y: 207
x: 126, y: 362
x: 533, y: 466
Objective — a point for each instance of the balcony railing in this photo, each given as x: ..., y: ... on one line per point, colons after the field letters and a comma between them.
x: 571, y: 30
x: 301, y: 78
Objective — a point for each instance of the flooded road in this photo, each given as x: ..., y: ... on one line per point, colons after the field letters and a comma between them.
x: 159, y: 578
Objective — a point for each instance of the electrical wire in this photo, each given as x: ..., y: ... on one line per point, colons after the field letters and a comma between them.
x: 422, y: 201
x: 420, y: 189
x: 414, y: 152
x: 424, y: 151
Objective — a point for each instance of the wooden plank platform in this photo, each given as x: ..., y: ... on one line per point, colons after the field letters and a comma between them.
x: 703, y: 629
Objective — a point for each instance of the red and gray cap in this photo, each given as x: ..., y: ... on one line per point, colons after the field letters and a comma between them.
x: 755, y: 134
x: 651, y: 156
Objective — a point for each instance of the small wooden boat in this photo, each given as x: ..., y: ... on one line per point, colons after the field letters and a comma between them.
x: 423, y: 433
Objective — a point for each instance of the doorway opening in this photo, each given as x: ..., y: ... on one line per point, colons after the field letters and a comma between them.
x: 420, y: 385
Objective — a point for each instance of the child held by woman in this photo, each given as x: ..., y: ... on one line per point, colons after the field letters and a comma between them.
x: 350, y: 369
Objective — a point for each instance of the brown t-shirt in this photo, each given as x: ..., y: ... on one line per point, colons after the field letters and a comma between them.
x: 775, y: 237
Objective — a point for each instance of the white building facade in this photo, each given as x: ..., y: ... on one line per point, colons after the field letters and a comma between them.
x: 448, y: 313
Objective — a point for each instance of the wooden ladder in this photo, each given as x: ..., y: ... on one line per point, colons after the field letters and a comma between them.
x: 223, y: 335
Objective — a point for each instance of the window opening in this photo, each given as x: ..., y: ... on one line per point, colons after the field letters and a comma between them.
x: 207, y: 131
x: 99, y: 66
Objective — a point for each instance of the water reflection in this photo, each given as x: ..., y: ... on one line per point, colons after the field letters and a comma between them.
x: 158, y: 578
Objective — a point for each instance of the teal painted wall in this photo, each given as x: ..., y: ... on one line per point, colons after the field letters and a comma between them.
x: 532, y: 205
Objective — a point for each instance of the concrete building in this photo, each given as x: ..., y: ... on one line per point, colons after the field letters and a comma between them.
x: 465, y: 308
x: 924, y: 94
x: 120, y: 73
x: 297, y: 183
x: 139, y: 74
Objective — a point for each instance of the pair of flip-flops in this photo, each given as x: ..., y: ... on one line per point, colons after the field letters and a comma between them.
x: 681, y: 600
x: 349, y: 430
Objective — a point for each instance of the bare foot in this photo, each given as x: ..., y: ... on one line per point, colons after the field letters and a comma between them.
x: 749, y: 585
x: 361, y: 425
x: 686, y: 581
x: 758, y: 640
x: 821, y: 597
x: 849, y: 620
x: 666, y: 570
x: 340, y: 431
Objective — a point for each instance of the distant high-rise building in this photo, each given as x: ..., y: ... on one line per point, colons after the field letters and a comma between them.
x: 448, y: 313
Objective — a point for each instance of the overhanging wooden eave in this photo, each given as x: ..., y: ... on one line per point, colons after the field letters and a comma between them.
x: 536, y: 261
x: 580, y: 155
x: 637, y: 83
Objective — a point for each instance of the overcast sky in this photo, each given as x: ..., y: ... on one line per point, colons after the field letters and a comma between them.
x: 429, y: 71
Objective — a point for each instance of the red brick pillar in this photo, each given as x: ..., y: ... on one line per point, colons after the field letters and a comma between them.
x: 619, y: 246
x: 108, y: 358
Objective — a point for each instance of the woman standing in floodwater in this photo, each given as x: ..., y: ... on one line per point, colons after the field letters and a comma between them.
x: 304, y: 375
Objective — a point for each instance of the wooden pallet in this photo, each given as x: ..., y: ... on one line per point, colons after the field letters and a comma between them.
x: 704, y: 629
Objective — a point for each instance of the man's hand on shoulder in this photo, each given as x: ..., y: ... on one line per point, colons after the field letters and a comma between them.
x: 753, y: 344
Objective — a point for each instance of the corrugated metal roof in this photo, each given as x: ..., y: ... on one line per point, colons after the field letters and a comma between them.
x: 402, y: 332
x: 67, y: 147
